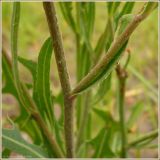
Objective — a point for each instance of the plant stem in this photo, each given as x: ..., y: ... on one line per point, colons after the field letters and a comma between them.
x: 63, y: 75
x: 116, y: 45
x: 122, y: 75
x: 141, y: 139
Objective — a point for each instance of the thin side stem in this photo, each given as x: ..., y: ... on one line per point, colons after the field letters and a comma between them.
x: 116, y: 45
x: 63, y: 75
x: 122, y: 75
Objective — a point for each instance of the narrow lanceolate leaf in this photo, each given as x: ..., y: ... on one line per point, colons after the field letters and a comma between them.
x: 12, y: 140
x: 66, y: 9
x: 42, y: 92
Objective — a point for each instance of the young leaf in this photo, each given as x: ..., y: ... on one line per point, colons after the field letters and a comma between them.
x: 12, y: 140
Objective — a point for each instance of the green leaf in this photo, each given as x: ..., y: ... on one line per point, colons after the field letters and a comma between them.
x: 66, y: 9
x: 12, y: 140
x: 136, y: 111
x: 41, y: 91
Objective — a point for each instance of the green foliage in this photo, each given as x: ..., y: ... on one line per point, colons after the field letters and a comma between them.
x: 12, y: 140
x: 37, y: 102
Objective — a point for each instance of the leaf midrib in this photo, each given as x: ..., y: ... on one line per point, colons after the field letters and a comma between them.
x: 23, y: 146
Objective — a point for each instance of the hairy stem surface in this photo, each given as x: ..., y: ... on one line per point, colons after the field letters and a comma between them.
x: 63, y: 75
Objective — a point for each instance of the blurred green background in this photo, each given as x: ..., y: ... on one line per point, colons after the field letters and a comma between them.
x: 144, y: 60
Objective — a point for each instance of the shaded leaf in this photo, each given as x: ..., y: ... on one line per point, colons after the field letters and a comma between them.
x: 11, y: 139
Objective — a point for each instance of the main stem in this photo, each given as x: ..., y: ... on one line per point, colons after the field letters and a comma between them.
x: 63, y: 75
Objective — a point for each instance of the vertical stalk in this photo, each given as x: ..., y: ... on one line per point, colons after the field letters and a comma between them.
x: 63, y: 75
x: 122, y: 75
x: 83, y: 120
